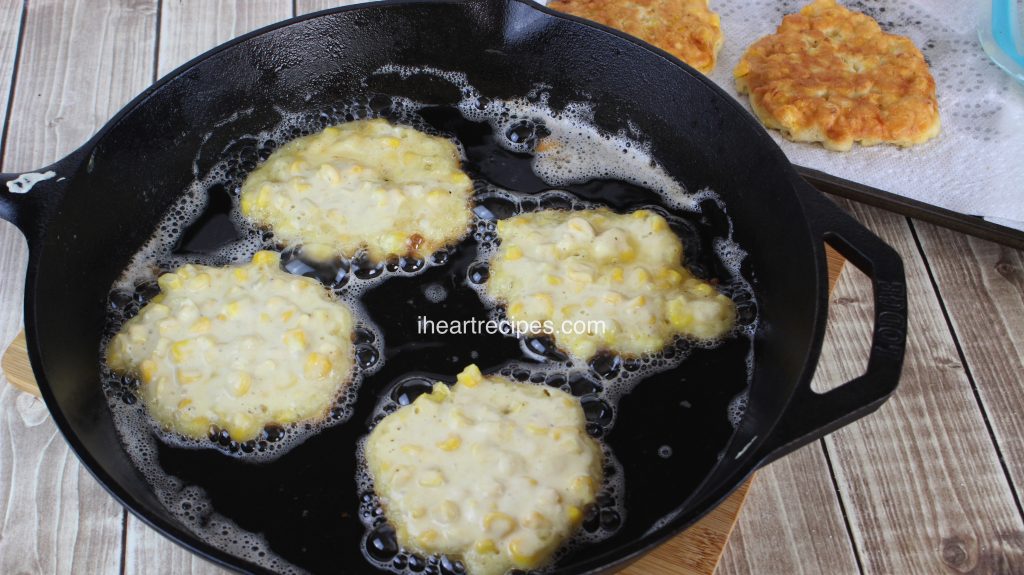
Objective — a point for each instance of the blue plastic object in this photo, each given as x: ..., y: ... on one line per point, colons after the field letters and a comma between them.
x: 1000, y: 33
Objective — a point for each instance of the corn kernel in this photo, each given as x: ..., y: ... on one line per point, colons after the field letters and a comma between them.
x: 233, y: 309
x: 536, y: 520
x: 317, y: 366
x: 147, y: 369
x: 248, y: 204
x: 612, y: 298
x: 513, y: 253
x: 414, y: 450
x: 658, y: 224
x: 431, y: 478
x: 180, y: 350
x: 242, y: 427
x: 188, y: 377
x: 264, y: 197
x: 137, y: 333
x: 427, y: 538
x: 470, y: 376
x: 499, y: 524
x: 574, y: 513
x: 266, y: 258
x: 202, y: 325
x: 639, y: 278
x: 580, y: 276
x: 242, y: 384
x: 583, y: 485
x: 169, y: 282
x: 241, y: 274
x: 553, y: 280
x: 536, y: 429
x: 703, y: 289
x: 184, y: 403
x: 156, y: 311
x: 199, y: 282
x: 617, y: 274
x: 485, y: 546
x: 295, y: 339
x: 544, y: 303
x: 450, y: 444
x: 392, y: 142
x: 521, y: 555
x: 329, y: 174
x: 448, y: 510
x: 580, y: 228
x: 673, y: 277
x: 678, y: 313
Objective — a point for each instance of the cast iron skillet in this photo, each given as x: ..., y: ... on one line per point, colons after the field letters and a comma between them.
x: 106, y: 198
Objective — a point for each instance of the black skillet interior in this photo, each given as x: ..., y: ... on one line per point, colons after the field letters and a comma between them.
x: 120, y: 185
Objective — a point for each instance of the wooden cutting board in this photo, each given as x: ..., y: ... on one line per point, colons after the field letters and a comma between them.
x: 695, y: 551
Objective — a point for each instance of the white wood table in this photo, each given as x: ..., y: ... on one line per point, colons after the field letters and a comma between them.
x: 929, y: 484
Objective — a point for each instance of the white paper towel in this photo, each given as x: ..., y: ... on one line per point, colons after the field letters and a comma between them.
x: 976, y: 164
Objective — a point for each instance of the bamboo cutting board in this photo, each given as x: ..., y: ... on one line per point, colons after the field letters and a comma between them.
x: 695, y: 551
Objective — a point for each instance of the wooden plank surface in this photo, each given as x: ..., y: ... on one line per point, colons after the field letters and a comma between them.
x: 920, y: 479
x: 307, y: 6
x: 983, y: 291
x: 791, y: 522
x: 190, y: 27
x: 79, y: 62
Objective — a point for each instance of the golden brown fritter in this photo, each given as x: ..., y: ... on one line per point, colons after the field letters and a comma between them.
x: 830, y: 75
x: 687, y: 29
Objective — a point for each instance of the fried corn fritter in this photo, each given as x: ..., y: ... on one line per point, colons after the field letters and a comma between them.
x: 364, y: 185
x: 237, y: 347
x: 833, y: 76
x: 490, y: 471
x: 687, y: 29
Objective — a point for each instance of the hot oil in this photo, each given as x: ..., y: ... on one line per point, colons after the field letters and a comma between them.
x: 664, y: 418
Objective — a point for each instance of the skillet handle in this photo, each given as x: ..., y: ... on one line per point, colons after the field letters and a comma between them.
x: 811, y: 415
x: 10, y: 203
x: 25, y: 199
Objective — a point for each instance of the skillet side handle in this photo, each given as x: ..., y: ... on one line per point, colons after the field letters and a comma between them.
x: 20, y: 202
x: 811, y: 415
x: 11, y: 208
x: 25, y: 199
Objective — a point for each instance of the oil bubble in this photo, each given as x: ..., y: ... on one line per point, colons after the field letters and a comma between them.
x: 407, y: 390
x: 479, y: 273
x: 382, y: 543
